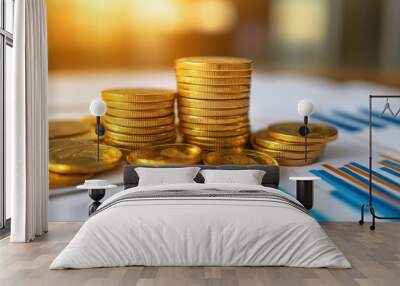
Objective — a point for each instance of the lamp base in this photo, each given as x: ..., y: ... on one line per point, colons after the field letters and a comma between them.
x: 303, y: 130
x: 96, y: 195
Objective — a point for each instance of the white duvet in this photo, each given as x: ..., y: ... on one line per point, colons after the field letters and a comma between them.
x: 200, y: 231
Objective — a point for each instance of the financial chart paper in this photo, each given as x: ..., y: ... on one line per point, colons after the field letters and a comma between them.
x: 343, y: 168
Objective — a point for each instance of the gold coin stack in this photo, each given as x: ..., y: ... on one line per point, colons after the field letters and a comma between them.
x: 71, y: 161
x: 239, y: 157
x: 168, y: 154
x: 139, y: 117
x: 213, y: 101
x: 284, y: 142
x: 66, y: 129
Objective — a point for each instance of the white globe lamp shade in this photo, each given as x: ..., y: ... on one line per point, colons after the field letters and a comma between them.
x: 305, y: 107
x: 97, y: 107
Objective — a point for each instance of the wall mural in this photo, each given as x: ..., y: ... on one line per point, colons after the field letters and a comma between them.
x: 214, y: 120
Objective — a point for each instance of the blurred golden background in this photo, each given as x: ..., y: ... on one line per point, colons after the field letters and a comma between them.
x: 355, y: 37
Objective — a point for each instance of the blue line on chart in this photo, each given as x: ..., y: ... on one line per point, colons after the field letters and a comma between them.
x: 376, y: 174
x: 315, y: 214
x: 341, y: 125
x: 319, y: 216
x: 345, y: 187
x: 357, y: 119
x: 366, y: 181
x: 390, y: 171
x: 354, y: 200
x: 347, y: 199
x: 385, y: 117
x: 391, y: 163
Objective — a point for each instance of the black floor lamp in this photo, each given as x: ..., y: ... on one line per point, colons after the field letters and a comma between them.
x: 369, y: 205
x: 305, y: 108
x: 98, y: 108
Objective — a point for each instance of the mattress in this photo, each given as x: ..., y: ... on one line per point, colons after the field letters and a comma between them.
x: 201, y: 225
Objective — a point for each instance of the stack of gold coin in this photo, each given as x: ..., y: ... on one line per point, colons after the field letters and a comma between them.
x: 84, y: 129
x: 71, y: 161
x: 168, y: 154
x: 139, y: 117
x: 213, y: 101
x: 239, y: 157
x: 67, y: 128
x: 284, y: 142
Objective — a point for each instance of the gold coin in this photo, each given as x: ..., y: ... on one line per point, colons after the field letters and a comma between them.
x: 60, y: 181
x: 216, y: 147
x: 214, y: 88
x: 168, y: 154
x: 214, y: 63
x: 140, y: 138
x: 213, y: 81
x: 83, y: 141
x: 289, y: 131
x: 82, y: 159
x: 138, y: 94
x: 213, y: 104
x: 213, y: 74
x: 138, y: 130
x: 214, y: 127
x: 66, y: 142
x: 286, y: 154
x: 213, y: 112
x: 262, y: 139
x: 296, y: 163
x: 66, y: 128
x: 135, y: 145
x: 139, y: 113
x: 143, y: 123
x: 212, y: 96
x: 204, y: 133
x: 221, y: 141
x: 241, y: 119
x: 244, y: 157
x: 140, y: 105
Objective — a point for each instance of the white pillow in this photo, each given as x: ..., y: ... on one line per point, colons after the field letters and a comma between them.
x: 166, y: 176
x: 248, y: 177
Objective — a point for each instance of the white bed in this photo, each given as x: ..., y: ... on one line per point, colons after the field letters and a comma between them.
x: 185, y: 230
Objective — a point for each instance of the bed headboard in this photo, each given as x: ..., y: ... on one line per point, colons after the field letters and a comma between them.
x: 271, y: 177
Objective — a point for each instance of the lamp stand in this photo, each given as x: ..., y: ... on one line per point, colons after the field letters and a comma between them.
x: 303, y: 130
x: 99, y: 132
x: 98, y: 137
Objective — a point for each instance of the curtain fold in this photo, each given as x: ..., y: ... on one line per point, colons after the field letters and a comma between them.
x: 27, y: 132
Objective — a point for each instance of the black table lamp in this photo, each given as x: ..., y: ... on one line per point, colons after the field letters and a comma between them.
x: 305, y: 108
x: 98, y: 108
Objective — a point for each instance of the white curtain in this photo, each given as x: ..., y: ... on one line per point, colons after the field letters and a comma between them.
x: 26, y: 123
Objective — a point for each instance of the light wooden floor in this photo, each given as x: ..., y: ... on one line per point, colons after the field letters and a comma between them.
x: 375, y: 257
